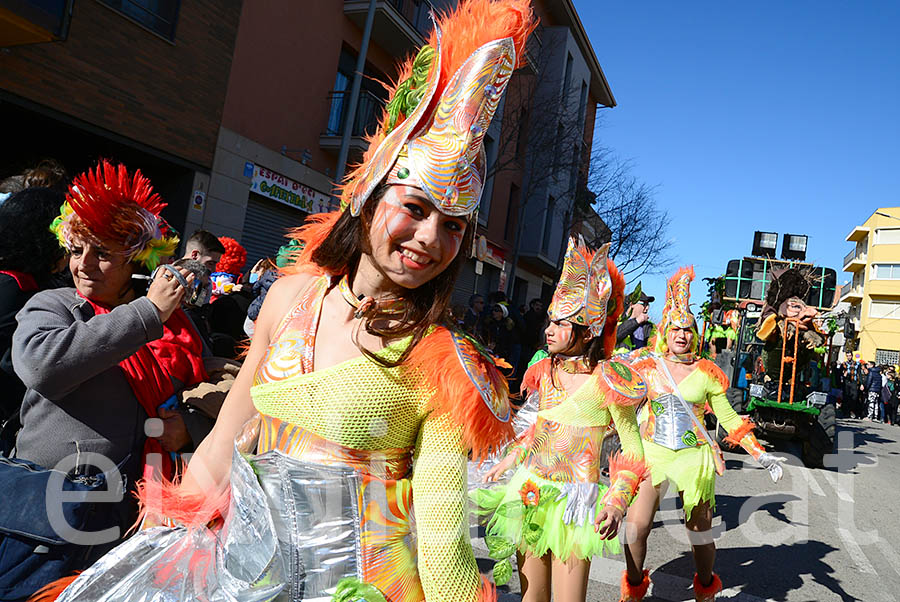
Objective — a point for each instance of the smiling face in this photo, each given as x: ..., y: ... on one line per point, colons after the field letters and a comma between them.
x: 101, y: 273
x: 679, y: 340
x: 411, y: 241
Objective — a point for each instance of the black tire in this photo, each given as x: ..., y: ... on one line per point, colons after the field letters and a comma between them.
x: 828, y: 419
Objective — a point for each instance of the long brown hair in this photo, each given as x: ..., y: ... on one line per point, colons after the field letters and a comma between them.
x: 339, y: 253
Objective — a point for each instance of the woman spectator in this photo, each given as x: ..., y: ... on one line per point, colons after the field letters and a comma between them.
x: 29, y: 255
x: 98, y: 361
x: 498, y: 331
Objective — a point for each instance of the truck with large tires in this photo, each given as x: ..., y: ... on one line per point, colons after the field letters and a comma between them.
x: 772, y: 365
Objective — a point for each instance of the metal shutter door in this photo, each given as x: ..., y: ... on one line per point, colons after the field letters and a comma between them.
x: 265, y: 224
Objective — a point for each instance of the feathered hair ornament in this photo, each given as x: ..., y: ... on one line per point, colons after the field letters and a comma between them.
x: 109, y: 204
x: 430, y: 134
x: 677, y: 310
x: 590, y: 292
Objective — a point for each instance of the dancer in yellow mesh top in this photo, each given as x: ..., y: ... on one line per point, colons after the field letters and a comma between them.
x: 676, y: 445
x: 554, y: 511
x: 364, y: 408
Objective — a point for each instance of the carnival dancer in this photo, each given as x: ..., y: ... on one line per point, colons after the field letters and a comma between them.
x: 362, y: 403
x: 554, y: 512
x: 677, y: 447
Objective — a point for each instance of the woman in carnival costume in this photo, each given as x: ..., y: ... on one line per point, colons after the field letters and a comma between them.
x: 554, y: 512
x: 352, y: 397
x: 676, y: 446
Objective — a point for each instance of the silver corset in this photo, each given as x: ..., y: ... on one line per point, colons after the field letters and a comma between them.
x: 292, y: 533
x: 674, y: 427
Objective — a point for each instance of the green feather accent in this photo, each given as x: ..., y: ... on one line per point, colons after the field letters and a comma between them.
x: 410, y: 91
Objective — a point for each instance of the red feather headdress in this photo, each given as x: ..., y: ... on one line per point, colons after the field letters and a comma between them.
x: 109, y: 204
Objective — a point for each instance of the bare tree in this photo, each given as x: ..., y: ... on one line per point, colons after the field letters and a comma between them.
x: 639, y: 228
x: 542, y: 137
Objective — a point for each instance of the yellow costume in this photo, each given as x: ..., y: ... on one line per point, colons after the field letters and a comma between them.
x: 551, y: 500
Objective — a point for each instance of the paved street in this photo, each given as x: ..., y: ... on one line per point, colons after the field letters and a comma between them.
x: 817, y: 535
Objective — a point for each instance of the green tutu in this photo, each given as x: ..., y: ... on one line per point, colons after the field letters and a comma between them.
x: 538, y: 527
x: 692, y: 470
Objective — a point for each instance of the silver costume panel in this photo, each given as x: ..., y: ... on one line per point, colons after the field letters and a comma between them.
x: 291, y: 534
x: 674, y: 428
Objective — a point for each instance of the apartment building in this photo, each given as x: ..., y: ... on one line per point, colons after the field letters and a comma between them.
x: 279, y: 145
x: 873, y: 293
x: 130, y: 80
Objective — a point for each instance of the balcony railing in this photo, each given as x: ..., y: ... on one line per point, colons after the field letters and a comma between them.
x: 367, y: 111
x: 416, y: 12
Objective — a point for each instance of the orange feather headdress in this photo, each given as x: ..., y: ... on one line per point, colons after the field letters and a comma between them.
x: 430, y: 135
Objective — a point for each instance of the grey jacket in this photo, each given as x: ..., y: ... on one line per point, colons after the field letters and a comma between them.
x: 78, y: 399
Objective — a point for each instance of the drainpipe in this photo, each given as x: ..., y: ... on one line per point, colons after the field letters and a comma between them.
x: 354, y: 95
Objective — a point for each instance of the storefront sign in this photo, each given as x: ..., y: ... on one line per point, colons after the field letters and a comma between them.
x: 285, y: 190
x: 494, y: 256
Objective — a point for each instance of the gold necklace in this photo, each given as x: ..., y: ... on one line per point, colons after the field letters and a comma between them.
x: 363, y: 304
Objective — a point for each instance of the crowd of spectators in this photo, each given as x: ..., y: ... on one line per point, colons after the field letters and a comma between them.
x: 868, y: 391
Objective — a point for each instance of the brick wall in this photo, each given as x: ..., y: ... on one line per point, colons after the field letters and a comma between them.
x: 118, y: 76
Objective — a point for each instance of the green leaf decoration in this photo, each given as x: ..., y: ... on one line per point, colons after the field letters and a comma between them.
x: 549, y: 493
x: 621, y: 369
x: 657, y: 407
x: 512, y: 509
x: 351, y: 589
x: 410, y: 91
x: 689, y: 438
x: 499, y: 548
x: 532, y: 533
x: 502, y: 572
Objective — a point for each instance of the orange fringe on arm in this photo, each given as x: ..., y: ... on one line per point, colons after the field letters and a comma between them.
x: 735, y: 436
x: 435, y: 359
x: 165, y: 501
x: 53, y: 590
x: 619, y: 462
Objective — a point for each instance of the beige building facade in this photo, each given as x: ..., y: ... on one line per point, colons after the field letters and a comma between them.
x: 873, y: 293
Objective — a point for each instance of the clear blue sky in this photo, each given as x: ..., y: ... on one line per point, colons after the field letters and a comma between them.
x: 776, y: 116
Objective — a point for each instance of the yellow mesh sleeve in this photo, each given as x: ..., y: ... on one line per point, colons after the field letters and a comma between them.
x: 728, y: 418
x: 629, y: 433
x: 446, y: 563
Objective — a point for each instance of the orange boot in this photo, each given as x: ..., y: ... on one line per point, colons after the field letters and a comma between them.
x: 634, y: 593
x: 707, y: 593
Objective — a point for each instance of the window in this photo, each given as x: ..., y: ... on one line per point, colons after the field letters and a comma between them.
x: 548, y: 226
x: 887, y: 356
x: 884, y: 309
x: 886, y: 271
x: 159, y: 16
x: 887, y: 236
